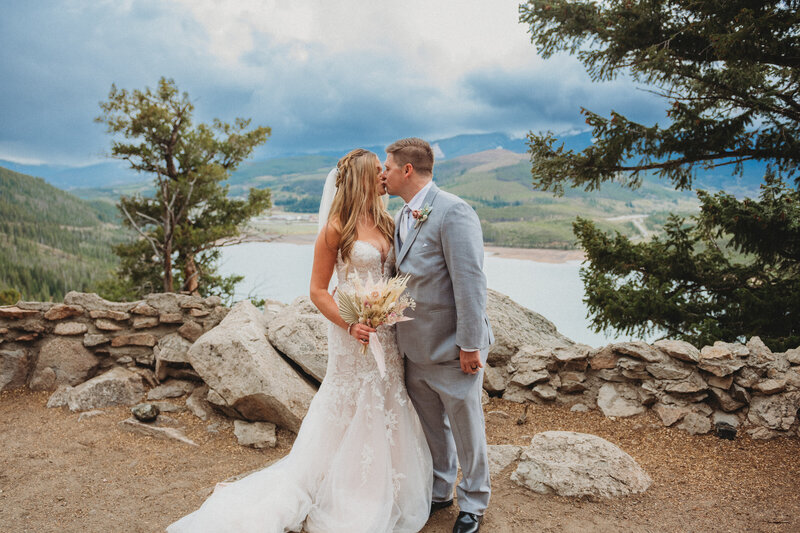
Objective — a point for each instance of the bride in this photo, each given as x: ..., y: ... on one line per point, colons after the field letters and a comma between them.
x: 360, y: 462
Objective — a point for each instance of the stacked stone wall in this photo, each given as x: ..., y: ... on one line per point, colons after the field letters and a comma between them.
x: 724, y: 387
x: 44, y: 345
x: 59, y: 346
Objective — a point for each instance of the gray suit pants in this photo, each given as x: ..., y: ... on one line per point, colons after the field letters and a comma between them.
x: 448, y: 403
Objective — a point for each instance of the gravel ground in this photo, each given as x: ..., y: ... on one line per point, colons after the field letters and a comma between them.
x: 59, y: 473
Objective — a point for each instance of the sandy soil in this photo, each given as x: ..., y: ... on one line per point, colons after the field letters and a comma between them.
x: 59, y: 473
x: 540, y: 255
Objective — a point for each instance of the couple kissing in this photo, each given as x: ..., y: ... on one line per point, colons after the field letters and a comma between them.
x: 379, y: 449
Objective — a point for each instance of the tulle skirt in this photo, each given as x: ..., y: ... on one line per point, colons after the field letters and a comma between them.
x: 359, y: 463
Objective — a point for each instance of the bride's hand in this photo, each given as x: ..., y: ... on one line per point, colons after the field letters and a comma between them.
x: 360, y: 332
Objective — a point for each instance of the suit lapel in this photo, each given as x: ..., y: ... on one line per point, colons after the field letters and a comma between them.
x: 397, y: 233
x: 434, y: 190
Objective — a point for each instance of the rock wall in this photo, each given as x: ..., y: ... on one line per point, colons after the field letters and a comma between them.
x: 724, y: 387
x: 263, y: 366
x: 47, y: 345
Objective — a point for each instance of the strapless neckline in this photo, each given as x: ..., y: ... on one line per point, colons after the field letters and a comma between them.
x: 378, y: 250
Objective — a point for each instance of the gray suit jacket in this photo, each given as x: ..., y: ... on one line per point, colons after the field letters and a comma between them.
x: 444, y: 256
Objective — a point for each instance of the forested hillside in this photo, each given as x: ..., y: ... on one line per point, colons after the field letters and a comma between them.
x: 497, y: 183
x: 51, y: 241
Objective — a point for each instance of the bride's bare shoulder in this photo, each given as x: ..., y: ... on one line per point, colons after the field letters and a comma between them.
x: 330, y: 235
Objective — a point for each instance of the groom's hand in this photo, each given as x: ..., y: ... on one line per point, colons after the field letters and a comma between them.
x: 470, y: 361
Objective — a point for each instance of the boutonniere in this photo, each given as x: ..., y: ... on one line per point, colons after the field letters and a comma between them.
x: 421, y: 215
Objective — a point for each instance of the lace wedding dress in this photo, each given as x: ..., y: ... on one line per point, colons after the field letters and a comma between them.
x: 359, y: 463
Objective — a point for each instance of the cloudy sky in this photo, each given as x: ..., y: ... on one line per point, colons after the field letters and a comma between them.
x: 322, y: 74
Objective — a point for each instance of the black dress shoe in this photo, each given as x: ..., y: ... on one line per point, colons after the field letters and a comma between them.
x: 467, y: 523
x: 435, y: 506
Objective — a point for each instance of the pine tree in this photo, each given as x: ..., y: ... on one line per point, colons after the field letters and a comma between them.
x: 180, y: 226
x: 9, y: 296
x: 728, y: 72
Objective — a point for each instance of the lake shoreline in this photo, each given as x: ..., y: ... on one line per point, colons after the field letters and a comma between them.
x: 278, y: 267
x: 539, y: 255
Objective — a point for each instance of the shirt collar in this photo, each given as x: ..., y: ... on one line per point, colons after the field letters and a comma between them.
x: 416, y: 202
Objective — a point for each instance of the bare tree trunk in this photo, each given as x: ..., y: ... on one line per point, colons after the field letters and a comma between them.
x: 168, y: 234
x: 168, y: 282
x: 192, y: 275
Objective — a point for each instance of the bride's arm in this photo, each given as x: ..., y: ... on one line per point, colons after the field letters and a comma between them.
x: 325, y: 252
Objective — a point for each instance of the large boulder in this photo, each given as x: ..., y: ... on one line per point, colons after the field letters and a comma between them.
x: 501, y: 456
x: 300, y: 332
x: 237, y: 361
x: 515, y: 326
x: 272, y: 308
x: 578, y: 464
x: 118, y: 386
x: 63, y: 361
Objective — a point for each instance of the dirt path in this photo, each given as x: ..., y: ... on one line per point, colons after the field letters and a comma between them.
x: 636, y: 220
x: 539, y: 255
x: 62, y: 474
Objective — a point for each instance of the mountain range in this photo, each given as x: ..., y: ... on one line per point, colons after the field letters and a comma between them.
x: 57, y: 230
x: 497, y: 183
x: 117, y: 174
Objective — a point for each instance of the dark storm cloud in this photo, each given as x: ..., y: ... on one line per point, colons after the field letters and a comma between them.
x: 59, y: 59
x: 552, y: 96
x: 58, y: 63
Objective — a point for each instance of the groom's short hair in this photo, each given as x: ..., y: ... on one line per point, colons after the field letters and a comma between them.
x: 415, y: 151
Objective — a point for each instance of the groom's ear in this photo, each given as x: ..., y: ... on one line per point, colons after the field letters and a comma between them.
x: 408, y: 169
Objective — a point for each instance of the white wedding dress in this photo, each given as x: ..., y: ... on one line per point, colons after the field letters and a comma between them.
x: 360, y: 462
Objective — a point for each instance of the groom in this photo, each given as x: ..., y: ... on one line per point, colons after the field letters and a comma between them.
x: 438, y: 240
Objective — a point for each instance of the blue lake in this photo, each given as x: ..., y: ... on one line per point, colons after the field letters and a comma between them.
x: 281, y: 271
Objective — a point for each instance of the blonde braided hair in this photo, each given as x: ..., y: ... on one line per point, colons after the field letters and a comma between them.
x: 357, y: 196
